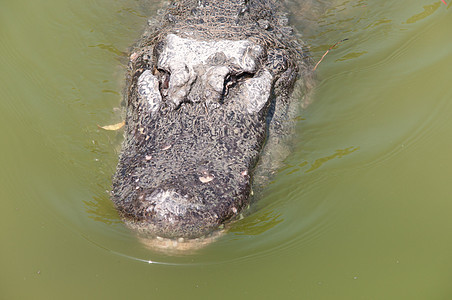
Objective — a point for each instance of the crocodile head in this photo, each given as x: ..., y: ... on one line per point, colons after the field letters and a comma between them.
x: 198, y: 113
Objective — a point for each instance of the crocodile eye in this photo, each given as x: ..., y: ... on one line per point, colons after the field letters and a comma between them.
x: 232, y: 79
x: 228, y: 81
x: 164, y: 78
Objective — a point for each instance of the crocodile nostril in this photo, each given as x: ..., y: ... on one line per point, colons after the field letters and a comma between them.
x: 165, y: 80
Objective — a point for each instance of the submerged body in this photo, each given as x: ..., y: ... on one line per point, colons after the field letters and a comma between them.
x: 209, y: 88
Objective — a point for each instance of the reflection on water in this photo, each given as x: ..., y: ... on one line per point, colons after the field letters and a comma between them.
x: 339, y: 154
x: 101, y: 210
x: 256, y: 224
x: 351, y: 55
x: 111, y: 49
x: 428, y: 11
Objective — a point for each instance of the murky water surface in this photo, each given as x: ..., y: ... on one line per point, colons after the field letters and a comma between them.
x: 360, y: 210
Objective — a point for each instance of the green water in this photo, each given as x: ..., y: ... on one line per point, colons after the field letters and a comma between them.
x: 361, y: 210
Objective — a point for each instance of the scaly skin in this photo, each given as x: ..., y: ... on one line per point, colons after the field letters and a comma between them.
x: 208, y: 93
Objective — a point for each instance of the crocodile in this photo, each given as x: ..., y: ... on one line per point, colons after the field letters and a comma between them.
x: 209, y: 93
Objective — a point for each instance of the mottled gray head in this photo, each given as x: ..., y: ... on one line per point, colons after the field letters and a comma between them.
x: 198, y: 114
